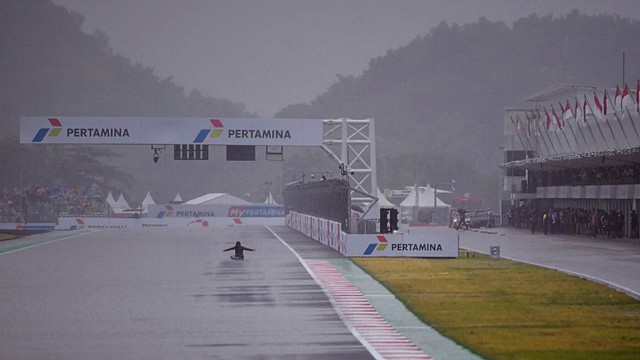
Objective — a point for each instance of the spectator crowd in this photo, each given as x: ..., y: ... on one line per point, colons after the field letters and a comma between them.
x: 40, y: 203
x: 574, y: 221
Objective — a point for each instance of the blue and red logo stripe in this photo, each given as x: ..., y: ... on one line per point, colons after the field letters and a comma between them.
x: 379, y: 246
x: 217, y: 131
x: 55, y: 131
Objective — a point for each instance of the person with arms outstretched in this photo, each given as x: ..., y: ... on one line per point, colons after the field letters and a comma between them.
x: 239, y: 251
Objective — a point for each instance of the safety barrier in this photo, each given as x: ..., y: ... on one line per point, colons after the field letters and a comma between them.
x: 440, y: 242
x: 76, y: 223
x: 324, y: 231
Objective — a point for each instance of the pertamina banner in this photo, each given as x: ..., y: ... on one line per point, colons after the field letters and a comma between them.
x: 162, y: 130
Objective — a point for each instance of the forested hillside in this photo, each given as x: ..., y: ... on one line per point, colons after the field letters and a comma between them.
x: 48, y: 66
x: 440, y: 98
x: 437, y: 101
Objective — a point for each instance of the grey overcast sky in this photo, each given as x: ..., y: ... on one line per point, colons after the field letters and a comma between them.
x: 269, y: 54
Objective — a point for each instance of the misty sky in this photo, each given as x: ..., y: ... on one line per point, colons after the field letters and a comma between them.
x: 269, y: 54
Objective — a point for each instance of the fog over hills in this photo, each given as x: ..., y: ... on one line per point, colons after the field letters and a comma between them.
x: 436, y: 89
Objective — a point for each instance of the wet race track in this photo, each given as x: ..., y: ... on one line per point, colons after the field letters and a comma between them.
x: 169, y: 293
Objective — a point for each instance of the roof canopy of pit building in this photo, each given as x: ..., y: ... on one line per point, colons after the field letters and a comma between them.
x: 574, y: 126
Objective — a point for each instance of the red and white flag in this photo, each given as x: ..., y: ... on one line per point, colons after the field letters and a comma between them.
x: 627, y: 98
x: 555, y: 116
x: 548, y: 118
x: 566, y: 111
x: 599, y: 110
x: 618, y: 99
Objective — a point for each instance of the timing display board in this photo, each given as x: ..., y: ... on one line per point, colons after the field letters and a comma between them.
x: 190, y: 152
x: 163, y: 130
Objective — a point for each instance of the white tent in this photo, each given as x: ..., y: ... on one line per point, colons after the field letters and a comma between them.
x: 148, y: 200
x: 110, y: 200
x: 217, y: 198
x: 426, y: 197
x: 270, y: 200
x: 383, y: 202
x: 119, y: 206
x: 177, y: 199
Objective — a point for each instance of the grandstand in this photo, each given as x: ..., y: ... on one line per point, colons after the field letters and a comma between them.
x: 574, y: 152
x: 44, y: 203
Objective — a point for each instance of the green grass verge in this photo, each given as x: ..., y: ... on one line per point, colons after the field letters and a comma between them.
x: 502, y: 309
x: 6, y: 237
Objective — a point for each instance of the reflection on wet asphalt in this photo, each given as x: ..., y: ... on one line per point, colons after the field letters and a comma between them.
x: 169, y: 294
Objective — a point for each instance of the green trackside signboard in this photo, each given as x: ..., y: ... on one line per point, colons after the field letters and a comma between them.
x: 164, y: 130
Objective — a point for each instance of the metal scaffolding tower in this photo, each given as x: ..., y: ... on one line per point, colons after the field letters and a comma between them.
x: 352, y: 144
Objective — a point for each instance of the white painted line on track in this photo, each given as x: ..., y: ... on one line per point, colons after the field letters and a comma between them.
x: 370, y: 348
x: 44, y: 242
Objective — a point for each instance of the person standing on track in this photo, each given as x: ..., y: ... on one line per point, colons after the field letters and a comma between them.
x: 461, y: 219
x: 239, y: 251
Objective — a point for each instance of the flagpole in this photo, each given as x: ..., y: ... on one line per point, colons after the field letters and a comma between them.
x: 528, y: 141
x: 615, y: 114
x: 547, y: 132
x: 607, y: 122
x: 634, y: 125
x: 515, y: 127
x: 582, y: 133
x: 570, y: 128
x: 584, y: 120
x: 537, y: 125
x: 553, y: 110
x: 580, y: 126
x: 555, y: 132
x: 595, y: 120
x: 638, y: 96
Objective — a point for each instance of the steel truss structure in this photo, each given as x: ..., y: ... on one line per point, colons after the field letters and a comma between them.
x: 351, y: 143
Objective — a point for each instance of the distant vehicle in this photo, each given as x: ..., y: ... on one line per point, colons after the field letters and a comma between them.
x: 480, y: 218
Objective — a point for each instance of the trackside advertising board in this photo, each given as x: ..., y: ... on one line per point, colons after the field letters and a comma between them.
x: 209, y: 211
x: 77, y: 223
x: 402, y: 245
x: 163, y: 130
x: 441, y: 243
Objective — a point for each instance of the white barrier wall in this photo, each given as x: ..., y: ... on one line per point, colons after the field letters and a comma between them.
x: 441, y: 243
x: 324, y: 231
